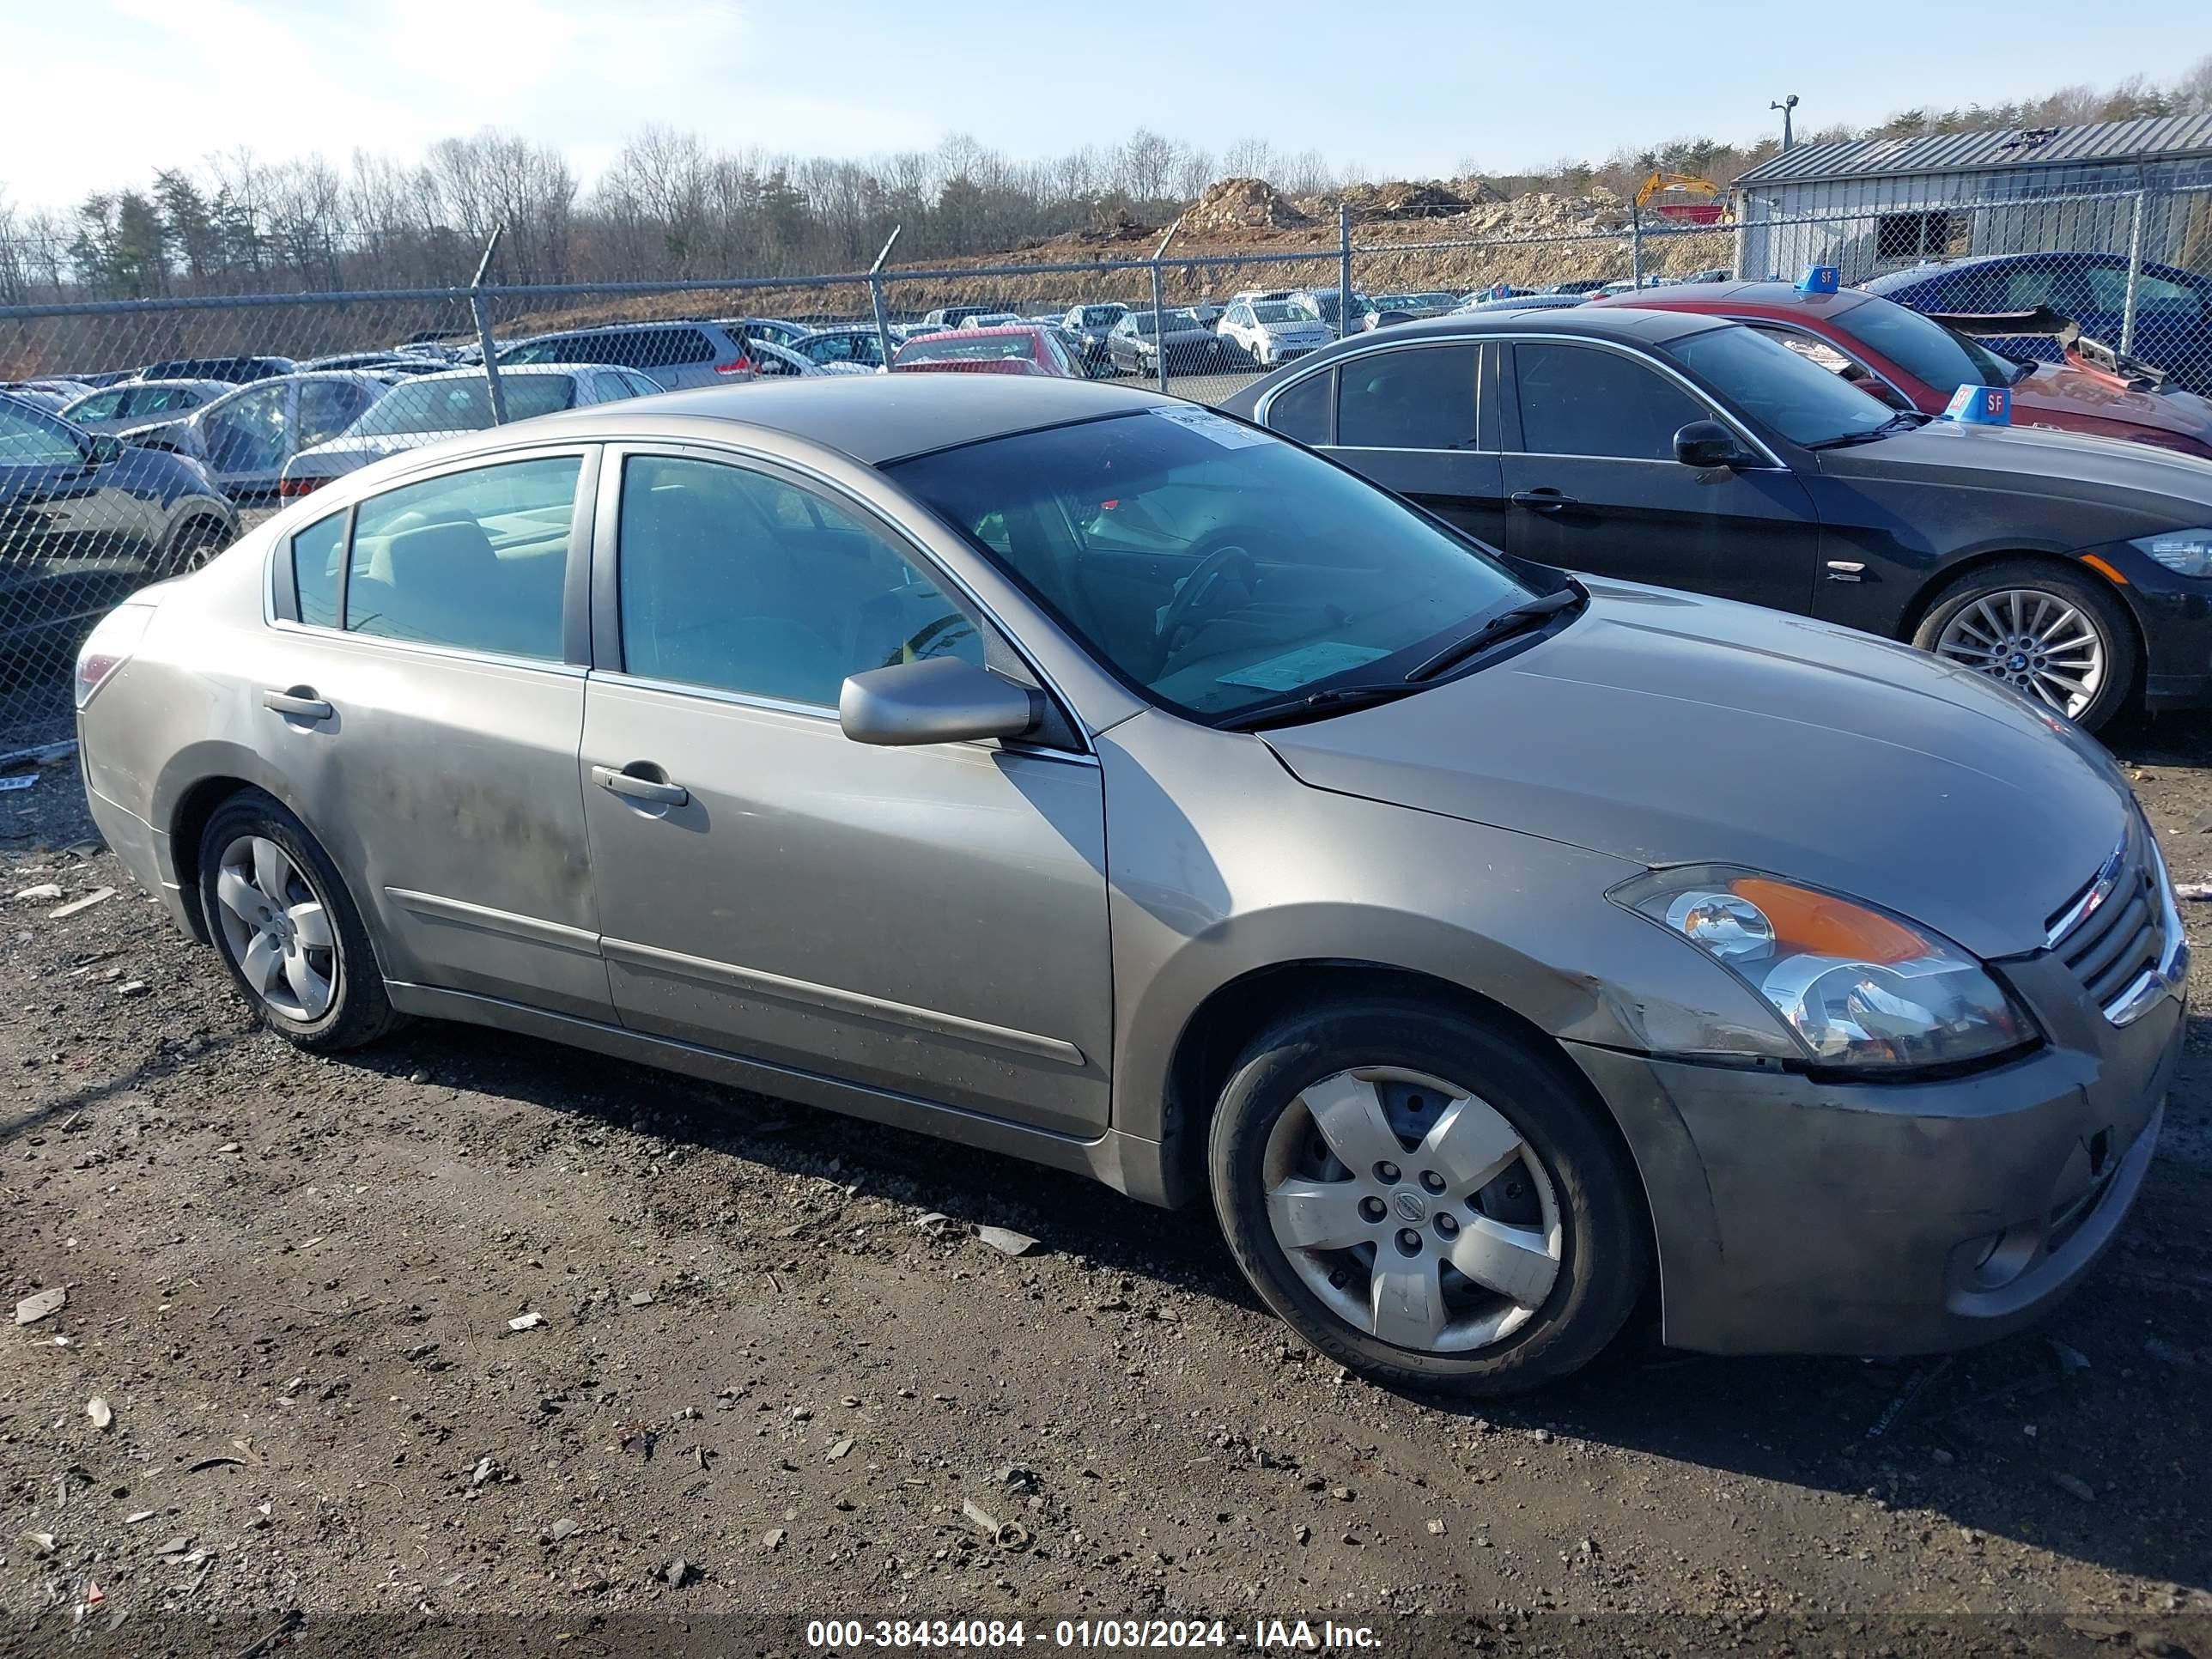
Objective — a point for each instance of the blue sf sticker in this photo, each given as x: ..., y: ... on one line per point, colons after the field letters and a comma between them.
x: 1209, y: 425
x: 1303, y: 667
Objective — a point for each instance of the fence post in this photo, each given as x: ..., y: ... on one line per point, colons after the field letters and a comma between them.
x: 875, y: 295
x: 482, y: 307
x: 1343, y: 268
x: 1636, y: 245
x: 2134, y: 277
x: 1159, y: 309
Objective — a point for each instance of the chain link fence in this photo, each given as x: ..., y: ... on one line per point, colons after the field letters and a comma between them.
x: 136, y: 437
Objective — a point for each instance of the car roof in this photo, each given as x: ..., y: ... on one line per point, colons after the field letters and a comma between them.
x: 876, y: 419
x: 1599, y: 322
x: 1730, y: 296
x: 506, y: 371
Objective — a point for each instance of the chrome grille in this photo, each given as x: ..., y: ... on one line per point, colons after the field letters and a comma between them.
x: 2112, y: 932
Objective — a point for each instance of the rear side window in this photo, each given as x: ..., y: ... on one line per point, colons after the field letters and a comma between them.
x: 476, y: 560
x: 1582, y: 400
x: 1302, y: 411
x: 662, y: 348
x: 1421, y: 399
x: 318, y: 553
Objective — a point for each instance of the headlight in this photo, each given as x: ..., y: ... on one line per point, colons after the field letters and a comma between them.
x: 2185, y: 552
x: 1855, y: 986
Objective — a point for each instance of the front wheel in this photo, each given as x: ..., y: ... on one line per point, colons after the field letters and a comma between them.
x: 2054, y: 635
x: 1426, y: 1201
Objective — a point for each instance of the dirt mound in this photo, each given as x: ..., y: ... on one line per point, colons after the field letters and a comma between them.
x: 1403, y: 199
x: 1235, y: 204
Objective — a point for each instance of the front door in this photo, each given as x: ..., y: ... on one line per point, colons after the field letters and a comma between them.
x: 928, y: 921
x: 1594, y: 485
x: 426, y: 715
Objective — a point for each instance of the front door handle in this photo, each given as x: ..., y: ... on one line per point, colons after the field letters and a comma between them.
x: 1543, y: 501
x: 638, y: 788
x: 300, y: 703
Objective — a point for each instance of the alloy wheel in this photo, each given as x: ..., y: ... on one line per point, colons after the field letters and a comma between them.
x: 277, y: 929
x: 1414, y: 1211
x: 2037, y: 642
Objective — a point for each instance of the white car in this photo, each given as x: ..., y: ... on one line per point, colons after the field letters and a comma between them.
x: 992, y: 319
x: 1272, y: 332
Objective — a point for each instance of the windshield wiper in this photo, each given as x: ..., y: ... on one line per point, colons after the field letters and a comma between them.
x: 1510, y: 621
x: 1329, y: 700
x: 1895, y: 423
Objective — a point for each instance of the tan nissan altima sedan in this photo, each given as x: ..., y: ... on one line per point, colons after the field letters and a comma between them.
x: 1085, y: 775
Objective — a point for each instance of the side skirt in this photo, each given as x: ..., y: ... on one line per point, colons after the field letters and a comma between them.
x: 1127, y: 1163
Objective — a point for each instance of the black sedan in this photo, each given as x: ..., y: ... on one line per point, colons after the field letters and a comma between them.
x: 1671, y: 449
x: 84, y: 520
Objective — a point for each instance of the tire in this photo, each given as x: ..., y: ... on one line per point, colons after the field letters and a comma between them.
x: 1554, y: 1175
x: 191, y: 545
x: 355, y: 1010
x: 1981, y: 605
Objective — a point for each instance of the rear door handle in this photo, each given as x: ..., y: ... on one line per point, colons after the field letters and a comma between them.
x: 638, y: 788
x: 300, y: 703
x: 1543, y: 501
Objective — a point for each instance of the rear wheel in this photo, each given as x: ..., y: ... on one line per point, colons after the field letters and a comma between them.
x: 287, y: 928
x: 1424, y: 1200
x: 2054, y: 635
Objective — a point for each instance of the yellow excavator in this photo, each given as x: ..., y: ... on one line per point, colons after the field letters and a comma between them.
x: 1683, y: 197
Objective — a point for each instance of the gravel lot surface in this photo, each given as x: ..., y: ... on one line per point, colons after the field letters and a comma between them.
x: 469, y: 1344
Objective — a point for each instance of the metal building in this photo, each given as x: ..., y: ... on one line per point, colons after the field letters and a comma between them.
x: 1870, y: 205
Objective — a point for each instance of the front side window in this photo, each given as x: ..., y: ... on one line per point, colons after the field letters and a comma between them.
x: 1584, y: 401
x: 476, y: 560
x: 735, y: 581
x: 1773, y: 385
x: 28, y: 439
x: 101, y: 406
x: 1212, y: 567
x: 1422, y: 399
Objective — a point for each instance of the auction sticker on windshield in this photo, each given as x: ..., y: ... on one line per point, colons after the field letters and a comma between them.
x: 1303, y: 667
x: 1219, y: 428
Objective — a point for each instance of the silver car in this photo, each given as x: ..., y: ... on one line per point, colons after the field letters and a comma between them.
x: 246, y: 438
x: 1089, y: 777
x: 138, y: 403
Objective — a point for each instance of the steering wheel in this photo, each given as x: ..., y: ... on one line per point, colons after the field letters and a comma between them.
x: 1200, y: 582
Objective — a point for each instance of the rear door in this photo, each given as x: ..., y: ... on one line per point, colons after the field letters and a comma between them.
x: 423, y: 693
x: 931, y: 921
x: 1409, y: 418
x: 1593, y: 484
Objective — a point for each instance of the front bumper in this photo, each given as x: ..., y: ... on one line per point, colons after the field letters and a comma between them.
x: 1869, y: 1219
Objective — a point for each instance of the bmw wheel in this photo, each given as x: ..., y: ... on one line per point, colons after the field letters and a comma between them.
x: 2054, y: 635
x: 1426, y: 1201
x: 287, y: 929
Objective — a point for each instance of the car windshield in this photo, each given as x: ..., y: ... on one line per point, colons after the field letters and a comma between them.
x: 1925, y: 349
x: 1768, y: 381
x: 974, y: 348
x: 1278, y: 314
x: 461, y: 404
x: 1213, y: 567
x: 1101, y: 316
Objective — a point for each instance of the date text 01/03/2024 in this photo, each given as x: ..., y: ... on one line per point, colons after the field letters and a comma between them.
x: 1296, y: 1635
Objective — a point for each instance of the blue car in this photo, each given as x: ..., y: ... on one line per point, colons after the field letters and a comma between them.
x: 2173, y: 307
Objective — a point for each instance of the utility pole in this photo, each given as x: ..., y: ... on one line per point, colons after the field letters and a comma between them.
x: 1785, y: 106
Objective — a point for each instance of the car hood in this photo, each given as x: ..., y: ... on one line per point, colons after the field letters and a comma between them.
x: 1664, y: 728
x: 2064, y: 389
x: 2164, y: 488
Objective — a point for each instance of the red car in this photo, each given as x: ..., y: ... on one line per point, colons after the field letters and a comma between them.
x: 1913, y: 361
x: 1012, y: 348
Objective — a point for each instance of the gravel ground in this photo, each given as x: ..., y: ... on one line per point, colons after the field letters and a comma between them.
x: 771, y: 1372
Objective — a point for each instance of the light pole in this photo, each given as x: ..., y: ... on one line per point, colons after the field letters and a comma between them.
x: 1785, y: 106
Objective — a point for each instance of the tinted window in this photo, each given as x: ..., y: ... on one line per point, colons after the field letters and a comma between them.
x: 1419, y: 399
x: 101, y: 406
x: 317, y: 554
x: 474, y: 559
x: 660, y: 347
x: 1805, y: 403
x: 1312, y: 574
x: 1924, y: 348
x: 1302, y: 411
x: 2154, y: 295
x: 154, y: 399
x: 27, y: 439
x: 639, y: 385
x: 328, y: 408
x: 1580, y: 400
x: 735, y: 581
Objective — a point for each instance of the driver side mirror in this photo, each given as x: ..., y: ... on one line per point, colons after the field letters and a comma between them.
x: 1708, y: 444
x: 106, y: 449
x: 934, y: 699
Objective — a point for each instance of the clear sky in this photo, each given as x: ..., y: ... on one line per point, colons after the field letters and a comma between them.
x: 100, y: 92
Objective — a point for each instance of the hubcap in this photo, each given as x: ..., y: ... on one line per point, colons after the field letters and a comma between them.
x: 2034, y: 641
x: 1414, y: 1211
x: 277, y: 929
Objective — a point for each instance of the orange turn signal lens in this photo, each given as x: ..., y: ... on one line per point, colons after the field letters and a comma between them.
x: 1821, y: 926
